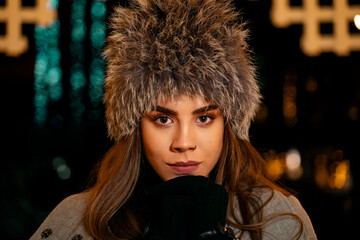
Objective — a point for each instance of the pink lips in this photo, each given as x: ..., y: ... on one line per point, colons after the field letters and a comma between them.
x: 185, y: 167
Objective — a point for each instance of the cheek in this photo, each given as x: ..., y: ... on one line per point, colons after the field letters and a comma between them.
x: 155, y: 143
x: 212, y: 143
x: 217, y: 136
x: 155, y: 147
x: 215, y: 147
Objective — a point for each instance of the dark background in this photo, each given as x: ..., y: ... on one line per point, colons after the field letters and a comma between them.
x: 31, y: 187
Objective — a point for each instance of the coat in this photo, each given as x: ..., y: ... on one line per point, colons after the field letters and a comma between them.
x: 66, y: 222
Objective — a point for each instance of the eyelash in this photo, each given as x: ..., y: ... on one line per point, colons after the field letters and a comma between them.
x: 156, y: 118
x: 212, y: 117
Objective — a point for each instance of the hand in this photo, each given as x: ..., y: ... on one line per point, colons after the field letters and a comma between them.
x: 186, y: 207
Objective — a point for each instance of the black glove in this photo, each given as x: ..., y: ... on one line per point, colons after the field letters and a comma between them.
x: 188, y: 208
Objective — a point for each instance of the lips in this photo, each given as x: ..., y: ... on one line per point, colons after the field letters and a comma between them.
x: 185, y: 167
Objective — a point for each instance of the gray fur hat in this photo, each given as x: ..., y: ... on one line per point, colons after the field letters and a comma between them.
x: 160, y: 49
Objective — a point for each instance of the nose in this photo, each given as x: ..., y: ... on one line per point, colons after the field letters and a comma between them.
x: 184, y: 139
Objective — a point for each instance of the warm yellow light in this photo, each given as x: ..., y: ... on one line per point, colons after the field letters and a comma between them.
x: 321, y: 171
x: 321, y: 177
x: 14, y: 15
x: 353, y: 113
x: 295, y: 174
x: 293, y: 159
x: 293, y: 164
x: 276, y: 163
x: 311, y: 14
x: 357, y: 21
x: 341, y: 174
x: 311, y: 85
x: 275, y: 168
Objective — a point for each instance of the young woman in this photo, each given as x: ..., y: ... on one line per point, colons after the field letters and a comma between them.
x: 180, y: 94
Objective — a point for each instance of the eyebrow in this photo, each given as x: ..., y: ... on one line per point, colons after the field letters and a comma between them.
x: 196, y: 111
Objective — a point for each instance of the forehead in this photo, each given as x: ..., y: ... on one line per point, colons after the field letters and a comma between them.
x: 184, y: 100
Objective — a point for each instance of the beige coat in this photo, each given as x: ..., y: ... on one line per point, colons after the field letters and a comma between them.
x: 65, y: 221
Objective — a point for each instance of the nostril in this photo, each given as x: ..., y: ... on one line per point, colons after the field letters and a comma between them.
x: 184, y: 148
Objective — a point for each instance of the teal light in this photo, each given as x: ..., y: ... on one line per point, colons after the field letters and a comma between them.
x: 54, y: 4
x: 40, y: 115
x: 41, y: 99
x: 84, y: 79
x: 47, y: 71
x: 78, y: 32
x: 98, y: 10
x: 53, y: 76
x: 97, y: 34
x: 54, y: 84
x: 54, y: 55
x: 97, y: 39
x: 78, y: 78
x: 78, y: 10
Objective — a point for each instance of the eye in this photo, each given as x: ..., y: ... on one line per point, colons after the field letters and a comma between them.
x: 205, y: 119
x: 162, y: 120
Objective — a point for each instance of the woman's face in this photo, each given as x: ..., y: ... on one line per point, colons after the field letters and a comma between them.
x: 183, y: 137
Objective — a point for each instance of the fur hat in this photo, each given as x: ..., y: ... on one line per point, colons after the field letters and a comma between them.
x: 160, y: 49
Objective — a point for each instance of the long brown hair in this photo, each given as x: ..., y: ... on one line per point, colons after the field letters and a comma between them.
x: 241, y: 170
x: 117, y: 176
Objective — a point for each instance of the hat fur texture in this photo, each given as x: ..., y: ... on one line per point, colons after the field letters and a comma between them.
x: 160, y: 49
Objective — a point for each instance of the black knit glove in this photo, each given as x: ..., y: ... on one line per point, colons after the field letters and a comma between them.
x: 188, y: 208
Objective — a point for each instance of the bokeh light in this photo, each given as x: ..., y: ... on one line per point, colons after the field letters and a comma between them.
x: 62, y: 169
x: 289, y: 99
x: 294, y: 169
x: 78, y: 78
x: 332, y: 172
x: 47, y: 72
x: 97, y: 40
x: 357, y: 21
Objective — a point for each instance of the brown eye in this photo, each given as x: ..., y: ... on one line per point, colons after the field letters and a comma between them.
x: 163, y: 120
x: 203, y: 119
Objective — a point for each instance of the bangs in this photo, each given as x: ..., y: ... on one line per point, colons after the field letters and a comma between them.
x: 171, y: 88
